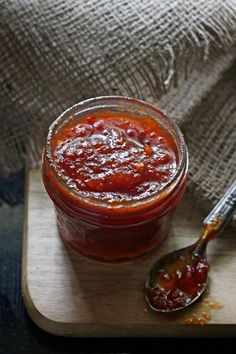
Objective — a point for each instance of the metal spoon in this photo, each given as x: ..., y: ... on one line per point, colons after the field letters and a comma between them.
x: 178, y: 278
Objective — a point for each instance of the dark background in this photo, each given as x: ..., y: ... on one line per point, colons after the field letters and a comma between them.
x: 18, y: 334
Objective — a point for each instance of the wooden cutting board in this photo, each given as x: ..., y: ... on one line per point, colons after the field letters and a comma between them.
x: 69, y: 295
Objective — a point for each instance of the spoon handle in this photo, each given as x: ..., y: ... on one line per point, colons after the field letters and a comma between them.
x: 223, y: 210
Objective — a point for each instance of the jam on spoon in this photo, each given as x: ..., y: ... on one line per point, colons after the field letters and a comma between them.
x: 178, y: 279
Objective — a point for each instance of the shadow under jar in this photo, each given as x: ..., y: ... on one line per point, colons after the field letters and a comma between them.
x: 115, y: 168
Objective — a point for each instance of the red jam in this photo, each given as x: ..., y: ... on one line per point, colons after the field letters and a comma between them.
x: 115, y: 169
x: 178, y: 283
x: 115, y: 158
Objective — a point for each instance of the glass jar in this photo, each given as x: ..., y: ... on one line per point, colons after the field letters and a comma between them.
x: 93, y: 228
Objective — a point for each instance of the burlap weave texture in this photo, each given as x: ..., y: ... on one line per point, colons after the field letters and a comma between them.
x: 54, y: 53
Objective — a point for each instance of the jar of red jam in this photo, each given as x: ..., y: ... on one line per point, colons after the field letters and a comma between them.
x: 115, y: 169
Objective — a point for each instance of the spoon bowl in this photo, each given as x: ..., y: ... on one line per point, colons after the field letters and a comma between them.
x: 176, y: 280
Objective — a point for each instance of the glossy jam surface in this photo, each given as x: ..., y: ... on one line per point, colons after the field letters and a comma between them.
x: 177, y: 283
x: 114, y: 157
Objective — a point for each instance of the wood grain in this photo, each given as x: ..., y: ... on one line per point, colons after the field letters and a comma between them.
x: 70, y: 295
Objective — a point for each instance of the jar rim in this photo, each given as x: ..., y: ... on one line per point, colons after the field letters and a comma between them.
x: 102, y: 102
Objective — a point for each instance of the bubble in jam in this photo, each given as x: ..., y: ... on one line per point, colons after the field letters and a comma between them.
x: 115, y: 157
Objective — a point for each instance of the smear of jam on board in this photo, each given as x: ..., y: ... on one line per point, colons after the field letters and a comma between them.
x: 205, y: 316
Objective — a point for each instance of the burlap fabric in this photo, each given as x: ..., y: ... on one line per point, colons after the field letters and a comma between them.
x: 54, y: 53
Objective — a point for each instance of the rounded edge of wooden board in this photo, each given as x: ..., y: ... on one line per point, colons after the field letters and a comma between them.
x: 114, y: 331
x: 51, y: 326
x: 37, y: 317
x: 90, y: 330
